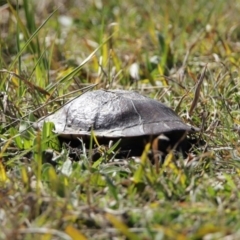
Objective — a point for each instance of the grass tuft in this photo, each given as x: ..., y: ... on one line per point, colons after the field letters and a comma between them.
x: 184, y: 53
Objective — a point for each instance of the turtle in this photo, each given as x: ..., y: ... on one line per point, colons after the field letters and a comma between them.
x: 119, y: 114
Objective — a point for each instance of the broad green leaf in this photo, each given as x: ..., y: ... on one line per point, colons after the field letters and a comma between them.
x: 49, y: 138
x: 17, y: 138
x: 66, y: 168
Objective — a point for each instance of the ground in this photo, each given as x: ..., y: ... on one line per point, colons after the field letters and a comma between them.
x: 183, y: 53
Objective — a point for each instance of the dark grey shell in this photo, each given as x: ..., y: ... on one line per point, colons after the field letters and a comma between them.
x: 115, y: 113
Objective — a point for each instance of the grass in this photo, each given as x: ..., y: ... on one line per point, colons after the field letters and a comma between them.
x: 50, y: 53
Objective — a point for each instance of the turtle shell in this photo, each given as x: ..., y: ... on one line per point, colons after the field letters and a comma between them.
x: 114, y: 114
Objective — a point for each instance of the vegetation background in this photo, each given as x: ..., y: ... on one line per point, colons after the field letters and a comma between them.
x: 173, y: 51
